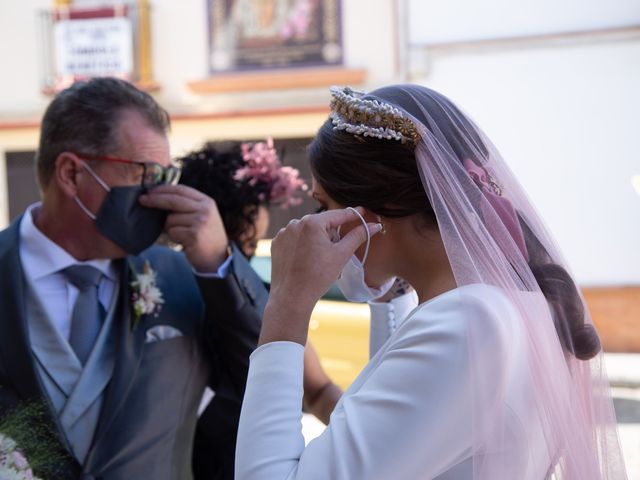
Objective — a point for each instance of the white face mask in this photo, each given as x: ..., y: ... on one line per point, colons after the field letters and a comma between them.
x: 351, y: 281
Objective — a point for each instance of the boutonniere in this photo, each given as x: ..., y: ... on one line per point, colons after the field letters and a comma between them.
x: 146, y: 297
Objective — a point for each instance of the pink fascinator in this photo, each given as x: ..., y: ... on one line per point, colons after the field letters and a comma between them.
x: 263, y: 166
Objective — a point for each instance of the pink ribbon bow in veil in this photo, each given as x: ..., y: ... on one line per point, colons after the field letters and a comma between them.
x: 500, y: 205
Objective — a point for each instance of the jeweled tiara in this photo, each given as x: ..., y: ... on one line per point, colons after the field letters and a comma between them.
x: 370, y: 118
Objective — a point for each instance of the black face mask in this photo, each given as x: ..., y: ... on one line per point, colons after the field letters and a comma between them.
x: 123, y: 220
x: 128, y: 224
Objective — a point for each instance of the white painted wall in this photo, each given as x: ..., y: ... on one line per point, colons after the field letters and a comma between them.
x: 436, y: 21
x: 20, y: 54
x: 564, y: 116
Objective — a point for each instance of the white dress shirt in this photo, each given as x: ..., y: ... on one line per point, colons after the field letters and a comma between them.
x: 407, y: 416
x: 42, y: 260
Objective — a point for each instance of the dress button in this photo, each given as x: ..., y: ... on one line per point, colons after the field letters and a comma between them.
x: 392, y: 326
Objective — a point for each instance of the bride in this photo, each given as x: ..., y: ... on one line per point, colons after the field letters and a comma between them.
x: 496, y: 373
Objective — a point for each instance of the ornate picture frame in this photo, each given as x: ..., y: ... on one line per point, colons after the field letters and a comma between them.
x: 249, y: 35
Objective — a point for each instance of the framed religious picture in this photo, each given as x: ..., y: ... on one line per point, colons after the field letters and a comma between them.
x: 271, y: 34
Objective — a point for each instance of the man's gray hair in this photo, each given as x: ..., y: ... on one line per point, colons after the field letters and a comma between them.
x: 84, y: 118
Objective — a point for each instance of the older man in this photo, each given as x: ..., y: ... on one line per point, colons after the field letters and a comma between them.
x: 118, y: 338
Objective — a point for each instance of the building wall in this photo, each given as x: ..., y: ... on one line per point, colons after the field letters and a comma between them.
x: 565, y: 119
x: 554, y: 85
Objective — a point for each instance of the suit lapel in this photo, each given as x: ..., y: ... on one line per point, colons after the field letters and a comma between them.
x: 130, y: 345
x: 52, y: 351
x: 14, y: 347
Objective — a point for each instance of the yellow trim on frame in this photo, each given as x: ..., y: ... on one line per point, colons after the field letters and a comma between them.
x: 145, y: 68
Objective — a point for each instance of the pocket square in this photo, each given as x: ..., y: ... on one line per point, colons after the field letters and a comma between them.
x: 161, y: 332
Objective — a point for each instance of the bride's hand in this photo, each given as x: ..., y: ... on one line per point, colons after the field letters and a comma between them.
x: 305, y: 262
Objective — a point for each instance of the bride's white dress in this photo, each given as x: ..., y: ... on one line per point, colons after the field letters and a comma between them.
x: 408, y: 415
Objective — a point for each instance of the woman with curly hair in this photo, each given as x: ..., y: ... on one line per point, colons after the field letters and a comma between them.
x: 245, y: 179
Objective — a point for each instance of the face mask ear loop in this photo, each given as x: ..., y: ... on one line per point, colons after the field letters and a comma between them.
x: 84, y: 208
x: 95, y: 175
x: 100, y: 182
x: 364, y: 222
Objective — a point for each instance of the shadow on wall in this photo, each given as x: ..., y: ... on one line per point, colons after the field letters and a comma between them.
x: 627, y: 410
x: 21, y: 181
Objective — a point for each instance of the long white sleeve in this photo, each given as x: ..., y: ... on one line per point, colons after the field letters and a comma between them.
x: 270, y: 437
x: 407, y: 416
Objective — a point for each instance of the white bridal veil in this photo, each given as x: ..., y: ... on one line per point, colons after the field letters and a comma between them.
x: 493, y: 236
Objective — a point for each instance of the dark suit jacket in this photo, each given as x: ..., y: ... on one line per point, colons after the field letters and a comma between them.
x: 148, y: 418
x: 214, y: 448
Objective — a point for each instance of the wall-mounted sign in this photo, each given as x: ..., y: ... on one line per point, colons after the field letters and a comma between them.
x: 85, y: 42
x: 94, y: 47
x: 259, y: 34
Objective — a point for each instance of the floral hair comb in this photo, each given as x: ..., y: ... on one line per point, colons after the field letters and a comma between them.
x: 262, y: 165
x: 370, y: 118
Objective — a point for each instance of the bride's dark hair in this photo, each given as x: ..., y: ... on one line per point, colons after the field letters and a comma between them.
x: 382, y: 176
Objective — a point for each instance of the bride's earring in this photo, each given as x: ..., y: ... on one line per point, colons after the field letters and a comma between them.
x: 384, y: 228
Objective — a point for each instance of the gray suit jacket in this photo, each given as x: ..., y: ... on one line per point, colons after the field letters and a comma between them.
x: 148, y: 418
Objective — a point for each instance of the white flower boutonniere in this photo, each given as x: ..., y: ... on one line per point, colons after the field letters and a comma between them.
x: 146, y: 297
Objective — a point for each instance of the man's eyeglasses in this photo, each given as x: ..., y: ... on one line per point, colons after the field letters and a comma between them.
x: 153, y: 174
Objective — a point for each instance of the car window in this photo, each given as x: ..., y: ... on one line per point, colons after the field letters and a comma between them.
x: 262, y: 266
